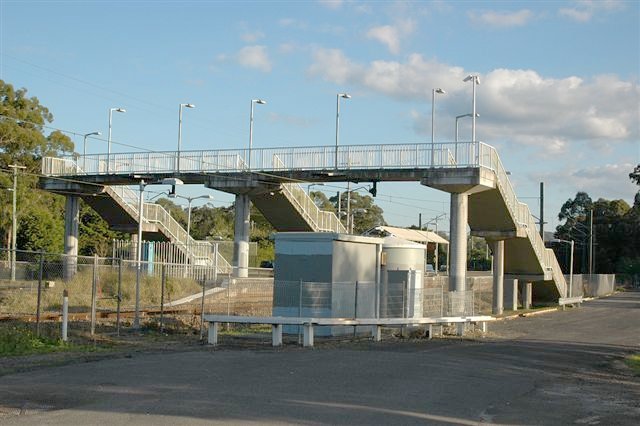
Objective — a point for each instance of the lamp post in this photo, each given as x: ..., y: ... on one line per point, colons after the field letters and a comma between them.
x: 557, y: 240
x: 84, y: 147
x: 353, y: 213
x: 458, y: 117
x: 190, y: 200
x: 122, y: 110
x: 143, y: 184
x: 253, y: 101
x: 433, y: 115
x: 313, y: 184
x: 14, y: 221
x: 435, y: 253
x: 338, y: 96
x: 180, y: 132
x: 476, y: 81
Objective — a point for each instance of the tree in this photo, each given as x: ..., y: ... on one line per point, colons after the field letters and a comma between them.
x: 366, y: 214
x: 23, y: 142
x: 22, y: 138
x: 635, y: 175
x: 95, y: 235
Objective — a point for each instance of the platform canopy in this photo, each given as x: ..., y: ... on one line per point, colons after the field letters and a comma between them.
x: 416, y: 235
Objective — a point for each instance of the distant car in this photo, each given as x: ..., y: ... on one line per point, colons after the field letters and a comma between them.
x: 266, y: 264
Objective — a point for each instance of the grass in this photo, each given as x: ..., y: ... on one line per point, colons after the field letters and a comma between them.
x: 633, y: 361
x: 18, y: 301
x: 20, y: 340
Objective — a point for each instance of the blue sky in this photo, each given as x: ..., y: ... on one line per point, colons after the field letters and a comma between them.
x: 559, y: 94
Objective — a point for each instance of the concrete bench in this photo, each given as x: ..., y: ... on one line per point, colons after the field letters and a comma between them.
x: 308, y: 324
x: 564, y: 301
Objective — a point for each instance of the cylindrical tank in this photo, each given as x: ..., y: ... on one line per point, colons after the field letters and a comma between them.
x: 402, y: 272
x: 401, y: 254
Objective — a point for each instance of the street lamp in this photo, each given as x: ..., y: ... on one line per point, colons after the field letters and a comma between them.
x: 476, y: 81
x: 190, y: 200
x: 353, y: 213
x: 313, y: 184
x: 433, y: 114
x: 143, y: 184
x: 458, y: 117
x: 122, y: 110
x: 180, y: 131
x: 338, y: 96
x: 557, y: 240
x: 84, y: 147
x: 253, y: 101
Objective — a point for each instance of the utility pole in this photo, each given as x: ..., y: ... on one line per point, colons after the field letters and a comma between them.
x: 420, y: 221
x: 542, y: 211
x: 591, y: 242
x: 14, y: 221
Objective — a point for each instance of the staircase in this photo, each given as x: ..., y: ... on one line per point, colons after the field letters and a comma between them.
x: 197, y: 252
x: 525, y: 255
x: 289, y: 209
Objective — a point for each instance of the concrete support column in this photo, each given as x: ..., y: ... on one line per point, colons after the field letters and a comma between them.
x: 527, y: 295
x: 71, y: 220
x: 498, y: 277
x: 511, y: 295
x: 241, y: 237
x: 458, y: 244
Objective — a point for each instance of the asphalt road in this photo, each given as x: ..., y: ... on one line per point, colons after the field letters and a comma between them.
x: 558, y: 368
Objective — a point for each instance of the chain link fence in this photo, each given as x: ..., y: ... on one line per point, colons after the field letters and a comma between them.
x: 103, y: 293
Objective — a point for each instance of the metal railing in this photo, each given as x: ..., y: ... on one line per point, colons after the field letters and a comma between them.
x: 320, y: 220
x: 522, y: 216
x: 380, y: 156
x: 198, y: 252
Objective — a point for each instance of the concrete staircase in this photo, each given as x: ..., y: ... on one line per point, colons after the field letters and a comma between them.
x: 288, y: 208
x: 498, y: 212
x: 121, y: 208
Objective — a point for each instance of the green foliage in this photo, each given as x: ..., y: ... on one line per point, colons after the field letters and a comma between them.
x: 40, y: 226
x: 633, y: 361
x: 616, y: 234
x: 366, y: 214
x: 635, y: 175
x: 19, y: 340
x: 22, y: 140
x: 95, y: 235
x: 174, y: 210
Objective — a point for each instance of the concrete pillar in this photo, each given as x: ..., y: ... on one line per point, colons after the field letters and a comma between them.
x: 527, y: 295
x: 498, y: 277
x: 71, y: 220
x: 458, y: 244
x: 241, y: 237
x: 511, y: 295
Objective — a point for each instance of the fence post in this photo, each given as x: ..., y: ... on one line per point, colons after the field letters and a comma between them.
x: 65, y: 314
x: 40, y: 272
x: 204, y: 284
x: 119, y: 296
x: 355, y: 308
x: 163, y: 281
x: 94, y: 286
x: 299, y: 310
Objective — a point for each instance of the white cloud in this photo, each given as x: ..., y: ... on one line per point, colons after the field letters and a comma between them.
x: 520, y: 106
x: 331, y: 4
x: 610, y: 181
x: 252, y: 37
x: 502, y: 19
x: 254, y: 57
x: 391, y: 35
x: 585, y: 10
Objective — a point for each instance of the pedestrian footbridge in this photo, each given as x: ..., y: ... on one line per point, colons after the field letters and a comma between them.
x: 482, y: 196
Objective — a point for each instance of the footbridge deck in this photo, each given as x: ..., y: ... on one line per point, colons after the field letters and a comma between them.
x: 482, y: 195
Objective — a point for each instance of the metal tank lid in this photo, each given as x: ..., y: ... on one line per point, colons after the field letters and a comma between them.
x: 395, y: 242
